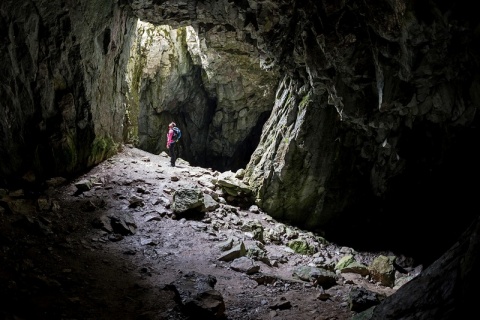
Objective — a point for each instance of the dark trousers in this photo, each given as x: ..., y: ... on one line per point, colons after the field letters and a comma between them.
x: 173, y: 156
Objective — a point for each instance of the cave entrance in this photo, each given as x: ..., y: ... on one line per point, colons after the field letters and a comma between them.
x: 218, y: 96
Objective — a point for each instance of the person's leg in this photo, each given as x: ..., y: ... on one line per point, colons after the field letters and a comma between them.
x: 172, y: 154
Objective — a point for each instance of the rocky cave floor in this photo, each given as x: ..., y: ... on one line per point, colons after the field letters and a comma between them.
x: 58, y: 261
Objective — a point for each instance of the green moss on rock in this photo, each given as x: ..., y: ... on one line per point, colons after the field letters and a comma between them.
x: 103, y: 148
x: 301, y: 246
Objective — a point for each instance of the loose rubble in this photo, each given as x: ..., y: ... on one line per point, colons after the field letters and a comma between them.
x: 136, y: 239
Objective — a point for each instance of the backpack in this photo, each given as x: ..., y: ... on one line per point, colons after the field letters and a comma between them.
x: 176, y: 134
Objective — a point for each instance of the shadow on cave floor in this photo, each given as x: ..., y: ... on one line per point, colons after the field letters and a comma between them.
x: 60, y: 260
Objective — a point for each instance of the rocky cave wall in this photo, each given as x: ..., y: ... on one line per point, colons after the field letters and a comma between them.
x: 377, y: 117
x: 401, y: 78
x: 62, y: 73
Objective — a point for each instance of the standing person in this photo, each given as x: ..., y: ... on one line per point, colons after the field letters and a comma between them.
x: 171, y: 144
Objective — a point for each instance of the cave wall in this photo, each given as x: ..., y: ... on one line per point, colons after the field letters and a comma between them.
x: 62, y: 79
x: 401, y: 78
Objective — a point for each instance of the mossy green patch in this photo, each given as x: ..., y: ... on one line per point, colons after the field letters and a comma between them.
x: 103, y: 148
x: 301, y: 246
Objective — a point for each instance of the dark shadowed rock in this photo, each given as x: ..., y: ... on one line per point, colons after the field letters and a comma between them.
x: 197, y: 296
x: 360, y: 299
x: 447, y: 290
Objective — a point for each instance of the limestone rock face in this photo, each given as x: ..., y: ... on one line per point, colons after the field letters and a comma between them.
x: 62, y: 63
x: 365, y: 116
x: 163, y: 81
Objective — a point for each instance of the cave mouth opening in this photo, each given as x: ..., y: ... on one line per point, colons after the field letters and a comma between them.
x: 172, y: 77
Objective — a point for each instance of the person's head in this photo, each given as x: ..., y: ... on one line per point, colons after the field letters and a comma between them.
x: 172, y: 124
